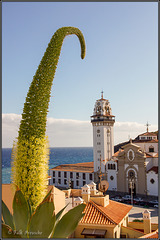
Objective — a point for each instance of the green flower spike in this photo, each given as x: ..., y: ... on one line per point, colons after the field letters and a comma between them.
x: 30, y: 153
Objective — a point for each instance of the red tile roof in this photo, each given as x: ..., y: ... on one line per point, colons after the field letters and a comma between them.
x: 146, y: 141
x: 151, y: 235
x: 94, y: 216
x: 154, y: 168
x: 116, y: 211
x: 150, y: 156
x: 77, y: 167
x: 148, y: 134
x: 112, y: 214
x: 116, y: 153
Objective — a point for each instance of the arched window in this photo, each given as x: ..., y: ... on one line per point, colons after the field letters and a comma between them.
x: 111, y: 177
x: 109, y: 166
x: 114, y: 166
x: 151, y: 149
x: 131, y: 174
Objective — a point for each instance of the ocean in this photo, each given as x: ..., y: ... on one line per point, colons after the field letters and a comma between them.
x: 57, y: 156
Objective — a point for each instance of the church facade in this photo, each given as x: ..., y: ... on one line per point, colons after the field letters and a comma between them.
x: 133, y: 167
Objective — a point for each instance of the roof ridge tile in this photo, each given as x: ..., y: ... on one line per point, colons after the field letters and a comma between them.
x: 97, y: 206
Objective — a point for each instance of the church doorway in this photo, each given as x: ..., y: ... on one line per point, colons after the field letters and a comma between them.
x: 131, y: 183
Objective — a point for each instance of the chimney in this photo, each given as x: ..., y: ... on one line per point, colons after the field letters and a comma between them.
x: 147, y: 221
x: 78, y: 201
x: 101, y: 200
x: 86, y: 193
x: 93, y: 190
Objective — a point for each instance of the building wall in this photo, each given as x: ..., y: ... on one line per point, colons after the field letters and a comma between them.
x: 155, y: 162
x: 58, y: 199
x: 131, y: 233
x: 112, y: 173
x: 80, y: 227
x: 145, y: 146
x: 68, y: 180
x: 136, y: 225
x: 102, y: 143
x: 8, y: 192
x: 149, y: 163
x: 113, y: 231
x: 137, y: 165
x: 140, y: 225
x: 152, y: 187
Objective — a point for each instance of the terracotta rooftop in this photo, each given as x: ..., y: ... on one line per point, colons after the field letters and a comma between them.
x: 148, y: 134
x: 116, y: 153
x: 77, y: 167
x: 154, y: 168
x: 150, y: 156
x: 115, y: 210
x: 112, y: 214
x: 93, y: 215
x: 147, y: 154
x: 151, y: 235
x: 146, y: 140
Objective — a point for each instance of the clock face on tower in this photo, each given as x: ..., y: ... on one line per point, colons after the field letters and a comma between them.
x: 130, y: 155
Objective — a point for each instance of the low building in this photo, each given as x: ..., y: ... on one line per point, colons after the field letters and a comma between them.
x: 136, y: 160
x: 72, y: 175
x: 105, y: 218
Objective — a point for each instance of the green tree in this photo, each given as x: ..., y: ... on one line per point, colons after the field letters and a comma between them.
x: 30, y: 152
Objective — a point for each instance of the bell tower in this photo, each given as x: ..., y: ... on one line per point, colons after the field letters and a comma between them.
x: 103, y: 136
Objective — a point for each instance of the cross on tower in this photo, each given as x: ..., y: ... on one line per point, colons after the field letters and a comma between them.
x: 147, y: 125
x: 102, y: 94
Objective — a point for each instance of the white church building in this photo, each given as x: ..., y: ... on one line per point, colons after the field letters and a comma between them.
x: 137, y: 160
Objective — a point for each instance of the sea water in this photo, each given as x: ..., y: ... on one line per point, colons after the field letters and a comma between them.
x: 58, y: 156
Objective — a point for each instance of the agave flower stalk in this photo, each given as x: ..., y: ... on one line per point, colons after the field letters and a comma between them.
x: 31, y: 152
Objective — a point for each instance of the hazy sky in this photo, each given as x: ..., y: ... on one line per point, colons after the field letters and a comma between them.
x: 121, y: 58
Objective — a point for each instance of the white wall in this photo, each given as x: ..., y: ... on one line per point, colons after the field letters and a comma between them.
x: 74, y: 179
x: 145, y: 146
x: 112, y: 172
x: 149, y: 163
x: 152, y: 188
x: 103, y: 147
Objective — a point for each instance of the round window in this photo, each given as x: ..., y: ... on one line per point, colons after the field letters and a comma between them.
x: 152, y: 181
x: 131, y: 174
x: 111, y: 177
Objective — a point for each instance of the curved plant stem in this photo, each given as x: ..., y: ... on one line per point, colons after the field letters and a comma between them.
x: 31, y: 152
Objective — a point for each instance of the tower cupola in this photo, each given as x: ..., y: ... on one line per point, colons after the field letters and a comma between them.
x: 78, y: 201
x: 86, y: 193
x: 147, y: 221
x: 93, y: 189
x: 102, y: 111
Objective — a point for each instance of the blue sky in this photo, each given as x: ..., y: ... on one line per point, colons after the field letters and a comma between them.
x: 121, y: 58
